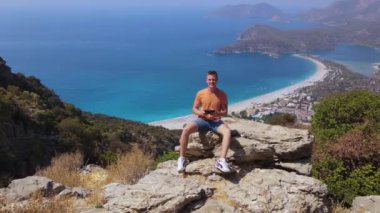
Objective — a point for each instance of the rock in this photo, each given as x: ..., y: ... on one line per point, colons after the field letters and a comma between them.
x: 201, y: 145
x: 214, y: 177
x: 272, y: 190
x: 288, y: 143
x: 212, y: 205
x: 249, y: 190
x: 302, y: 167
x: 96, y: 210
x: 22, y: 189
x: 257, y: 142
x: 204, y: 167
x: 370, y: 204
x: 77, y: 192
x: 162, y: 190
x: 243, y: 150
x: 91, y: 168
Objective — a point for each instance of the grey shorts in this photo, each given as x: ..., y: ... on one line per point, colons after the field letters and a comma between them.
x: 205, y: 125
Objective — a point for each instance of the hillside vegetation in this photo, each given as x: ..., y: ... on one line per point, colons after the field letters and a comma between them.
x: 347, y: 150
x: 36, y: 125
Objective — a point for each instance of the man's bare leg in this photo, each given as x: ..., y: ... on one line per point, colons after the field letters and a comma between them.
x: 221, y: 163
x: 186, y: 132
x: 226, y: 132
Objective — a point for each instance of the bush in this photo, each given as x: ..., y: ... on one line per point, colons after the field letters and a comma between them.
x: 346, y: 154
x: 338, y: 114
x: 283, y: 119
x: 171, y: 155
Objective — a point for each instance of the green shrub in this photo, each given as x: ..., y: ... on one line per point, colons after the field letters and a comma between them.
x: 170, y: 155
x: 283, y: 119
x: 338, y: 114
x: 346, y: 185
x: 346, y: 155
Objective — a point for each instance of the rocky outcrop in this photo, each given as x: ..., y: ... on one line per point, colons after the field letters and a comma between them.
x: 250, y: 189
x: 160, y: 191
x: 370, y: 204
x: 23, y: 189
x: 255, y: 186
x: 21, y: 192
x: 267, y: 190
x: 251, y: 141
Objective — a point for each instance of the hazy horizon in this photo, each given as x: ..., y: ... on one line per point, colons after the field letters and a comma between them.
x: 289, y: 5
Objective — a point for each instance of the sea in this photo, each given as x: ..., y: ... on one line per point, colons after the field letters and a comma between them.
x: 146, y: 64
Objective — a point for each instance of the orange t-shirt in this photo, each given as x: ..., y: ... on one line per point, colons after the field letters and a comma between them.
x: 216, y: 100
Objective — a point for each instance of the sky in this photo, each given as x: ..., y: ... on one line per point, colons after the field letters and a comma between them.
x: 282, y: 4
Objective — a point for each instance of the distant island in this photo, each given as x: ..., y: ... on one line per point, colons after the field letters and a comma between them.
x: 360, y: 27
x: 272, y: 41
x: 260, y: 10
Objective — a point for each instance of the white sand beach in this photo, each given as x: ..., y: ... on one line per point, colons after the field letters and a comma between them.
x: 177, y: 123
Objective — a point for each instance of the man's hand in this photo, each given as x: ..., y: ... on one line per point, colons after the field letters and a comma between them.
x: 222, y: 112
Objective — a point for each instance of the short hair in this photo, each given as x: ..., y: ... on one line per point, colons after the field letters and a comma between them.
x: 212, y: 72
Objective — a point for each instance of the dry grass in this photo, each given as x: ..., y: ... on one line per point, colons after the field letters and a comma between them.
x: 339, y: 208
x: 64, y: 169
x: 96, y: 199
x: 38, y: 204
x: 130, y: 166
x: 95, y: 179
x: 128, y: 169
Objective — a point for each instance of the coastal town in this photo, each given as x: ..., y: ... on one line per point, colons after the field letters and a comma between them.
x: 301, y: 101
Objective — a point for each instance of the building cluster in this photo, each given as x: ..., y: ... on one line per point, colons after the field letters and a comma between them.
x: 300, y: 102
x: 297, y: 103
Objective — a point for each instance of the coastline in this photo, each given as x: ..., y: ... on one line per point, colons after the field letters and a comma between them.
x: 321, y: 71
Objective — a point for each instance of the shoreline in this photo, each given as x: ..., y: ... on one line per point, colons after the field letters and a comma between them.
x: 321, y: 71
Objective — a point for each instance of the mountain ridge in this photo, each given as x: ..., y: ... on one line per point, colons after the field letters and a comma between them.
x: 260, y: 10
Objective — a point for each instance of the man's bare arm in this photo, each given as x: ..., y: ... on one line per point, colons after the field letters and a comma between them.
x: 196, y: 109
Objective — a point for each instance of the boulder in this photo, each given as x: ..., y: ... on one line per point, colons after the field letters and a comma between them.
x: 302, y: 167
x: 212, y: 205
x: 250, y: 189
x: 253, y: 141
x: 370, y: 204
x: 161, y: 190
x: 96, y: 210
x: 22, y: 189
x: 273, y: 190
x: 77, y: 192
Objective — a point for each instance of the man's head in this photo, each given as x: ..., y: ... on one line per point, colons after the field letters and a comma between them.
x: 212, y: 79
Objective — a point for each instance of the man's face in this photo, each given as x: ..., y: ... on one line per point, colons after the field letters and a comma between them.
x: 211, y: 81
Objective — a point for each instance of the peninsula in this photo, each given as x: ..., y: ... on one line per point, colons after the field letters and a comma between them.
x: 350, y: 22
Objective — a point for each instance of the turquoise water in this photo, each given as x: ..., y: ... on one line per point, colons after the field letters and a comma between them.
x: 144, y: 65
x: 357, y: 58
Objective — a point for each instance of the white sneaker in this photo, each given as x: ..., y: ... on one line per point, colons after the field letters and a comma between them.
x: 181, y: 164
x: 222, y: 165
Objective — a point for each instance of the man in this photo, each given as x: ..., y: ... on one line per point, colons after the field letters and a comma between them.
x: 209, y: 105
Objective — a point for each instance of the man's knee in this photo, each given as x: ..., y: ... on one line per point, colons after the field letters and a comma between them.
x: 189, y: 128
x: 225, y: 131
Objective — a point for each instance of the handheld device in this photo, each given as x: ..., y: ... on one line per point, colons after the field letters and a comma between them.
x: 209, y: 111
